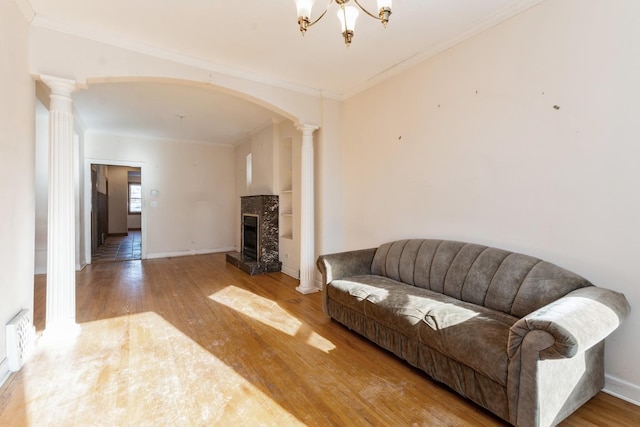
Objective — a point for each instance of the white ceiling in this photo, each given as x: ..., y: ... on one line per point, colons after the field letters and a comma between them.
x: 255, y: 39
x: 169, y: 111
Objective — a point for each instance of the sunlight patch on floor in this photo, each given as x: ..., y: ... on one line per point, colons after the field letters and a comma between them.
x: 139, y: 370
x: 259, y: 308
x: 269, y: 313
x: 320, y: 342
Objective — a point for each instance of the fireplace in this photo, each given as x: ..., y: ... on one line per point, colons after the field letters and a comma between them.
x: 250, y: 233
x: 260, y: 236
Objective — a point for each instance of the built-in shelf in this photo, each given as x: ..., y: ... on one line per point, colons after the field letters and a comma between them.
x: 286, y: 203
x: 288, y: 212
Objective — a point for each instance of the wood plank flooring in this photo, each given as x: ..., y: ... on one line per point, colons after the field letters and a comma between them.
x: 193, y: 341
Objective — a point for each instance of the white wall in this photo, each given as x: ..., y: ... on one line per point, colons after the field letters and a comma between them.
x: 17, y: 171
x: 118, y: 199
x: 328, y: 180
x: 42, y: 188
x: 196, y: 191
x: 262, y: 150
x: 468, y: 146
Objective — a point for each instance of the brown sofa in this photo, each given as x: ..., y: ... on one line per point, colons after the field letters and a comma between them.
x: 519, y: 336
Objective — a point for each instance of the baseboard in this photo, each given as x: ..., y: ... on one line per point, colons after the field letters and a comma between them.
x: 214, y: 251
x: 622, y: 389
x: 4, y: 371
x: 134, y: 229
x: 307, y: 291
x: 290, y: 272
x: 189, y: 253
x: 117, y: 234
x: 295, y: 274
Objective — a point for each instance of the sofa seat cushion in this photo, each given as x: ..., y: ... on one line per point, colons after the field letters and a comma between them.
x: 385, y: 300
x: 471, y: 334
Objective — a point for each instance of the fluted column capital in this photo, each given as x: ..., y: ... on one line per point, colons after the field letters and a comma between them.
x: 61, y: 90
x: 307, y: 129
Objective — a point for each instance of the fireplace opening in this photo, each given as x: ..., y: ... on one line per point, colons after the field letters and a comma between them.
x: 250, y: 240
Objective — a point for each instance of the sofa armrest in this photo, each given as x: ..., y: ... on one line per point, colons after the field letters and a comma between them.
x: 345, y: 264
x: 575, y: 322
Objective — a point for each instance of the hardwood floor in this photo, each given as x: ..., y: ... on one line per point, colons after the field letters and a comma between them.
x: 194, y: 341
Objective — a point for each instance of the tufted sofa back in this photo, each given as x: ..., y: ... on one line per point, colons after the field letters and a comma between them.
x: 513, y: 283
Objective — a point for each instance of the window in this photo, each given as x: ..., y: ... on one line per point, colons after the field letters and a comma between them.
x: 135, y: 198
x: 249, y: 171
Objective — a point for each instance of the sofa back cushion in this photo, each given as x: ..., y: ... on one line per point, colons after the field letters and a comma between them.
x: 513, y: 283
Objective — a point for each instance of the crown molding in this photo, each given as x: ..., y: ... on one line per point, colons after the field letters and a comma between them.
x: 483, y: 25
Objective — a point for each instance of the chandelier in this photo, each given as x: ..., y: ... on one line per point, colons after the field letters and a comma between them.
x: 347, y: 15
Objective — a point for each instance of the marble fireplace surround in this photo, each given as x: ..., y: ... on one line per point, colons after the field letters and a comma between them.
x: 265, y: 208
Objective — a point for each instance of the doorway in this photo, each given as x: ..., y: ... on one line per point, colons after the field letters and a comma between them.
x: 116, y: 213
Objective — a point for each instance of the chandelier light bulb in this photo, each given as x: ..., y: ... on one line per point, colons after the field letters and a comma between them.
x: 384, y: 11
x: 347, y: 16
x: 304, y: 12
x: 304, y: 8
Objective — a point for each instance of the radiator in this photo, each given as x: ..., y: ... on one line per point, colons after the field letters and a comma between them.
x: 20, y: 339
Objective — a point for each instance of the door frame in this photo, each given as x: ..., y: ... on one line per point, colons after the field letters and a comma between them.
x: 88, y: 201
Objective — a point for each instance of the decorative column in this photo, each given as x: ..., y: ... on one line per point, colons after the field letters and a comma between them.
x: 307, y: 243
x: 61, y: 282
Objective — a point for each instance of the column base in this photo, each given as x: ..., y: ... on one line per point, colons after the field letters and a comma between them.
x: 60, y: 333
x: 305, y: 290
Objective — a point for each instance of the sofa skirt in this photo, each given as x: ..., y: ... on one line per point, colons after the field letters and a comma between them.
x: 464, y: 380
